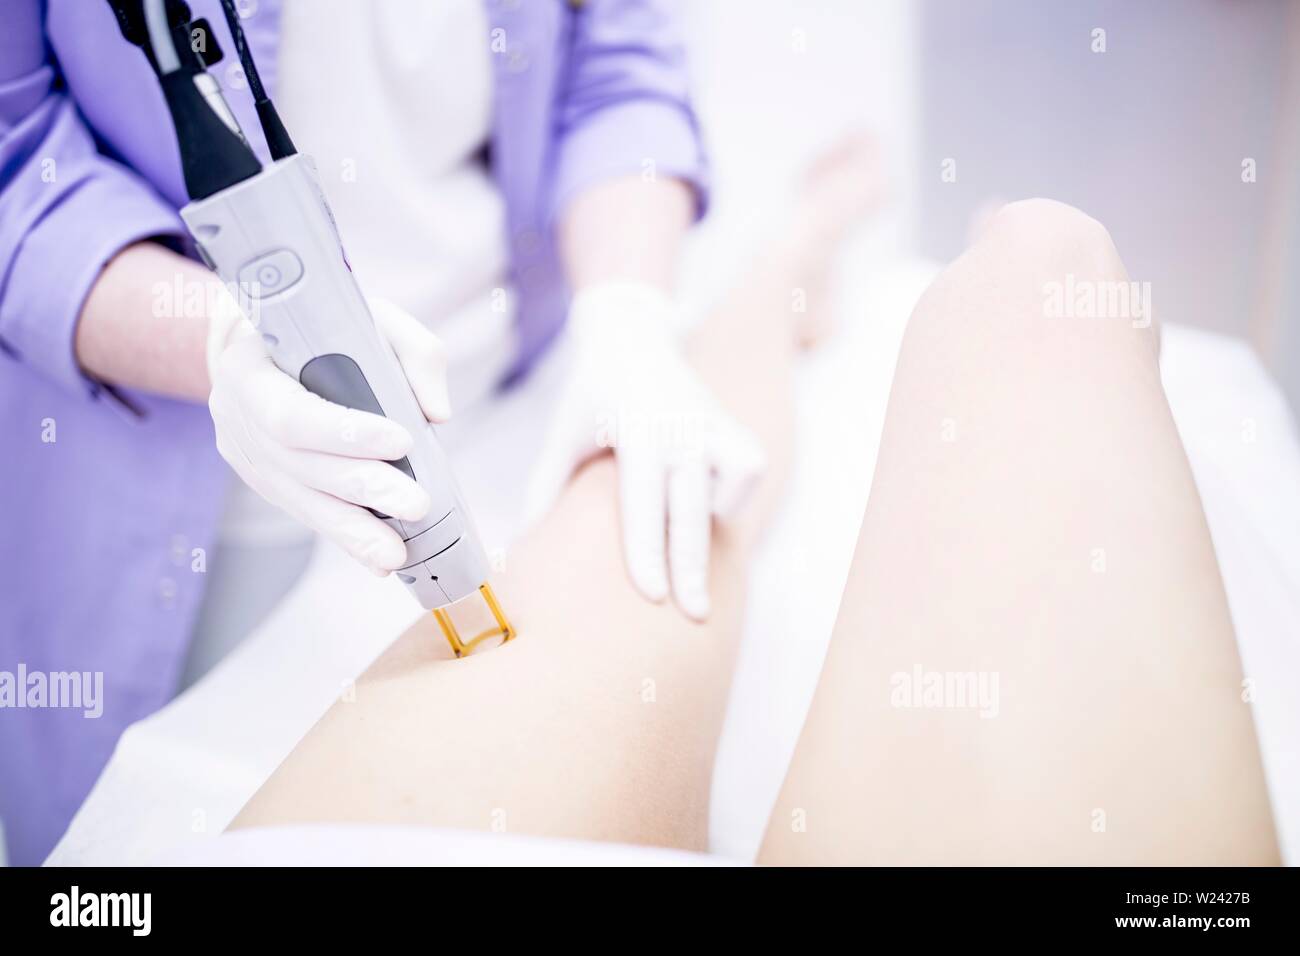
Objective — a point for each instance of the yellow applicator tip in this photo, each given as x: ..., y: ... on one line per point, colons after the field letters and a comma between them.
x: 460, y: 648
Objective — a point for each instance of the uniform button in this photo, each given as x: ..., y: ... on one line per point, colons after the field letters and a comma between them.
x: 167, y: 592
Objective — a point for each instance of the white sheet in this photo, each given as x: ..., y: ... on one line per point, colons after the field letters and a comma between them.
x: 178, y: 777
x: 353, y: 845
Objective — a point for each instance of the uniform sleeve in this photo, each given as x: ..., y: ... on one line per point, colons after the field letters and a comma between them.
x: 65, y: 209
x: 624, y: 104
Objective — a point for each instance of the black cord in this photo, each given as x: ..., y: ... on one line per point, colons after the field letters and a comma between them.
x: 277, y: 137
x: 241, y: 48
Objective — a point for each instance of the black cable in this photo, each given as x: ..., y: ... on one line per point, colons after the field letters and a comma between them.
x: 277, y: 137
x: 241, y: 48
x: 131, y: 22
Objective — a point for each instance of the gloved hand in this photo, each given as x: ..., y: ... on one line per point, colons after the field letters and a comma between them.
x: 319, y: 461
x: 681, y: 458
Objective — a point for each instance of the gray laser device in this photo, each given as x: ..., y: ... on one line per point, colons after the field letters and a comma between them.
x: 269, y: 234
x: 273, y: 239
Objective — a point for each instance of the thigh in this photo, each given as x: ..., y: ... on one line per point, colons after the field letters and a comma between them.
x: 601, y: 720
x: 598, y: 721
x: 1033, y: 659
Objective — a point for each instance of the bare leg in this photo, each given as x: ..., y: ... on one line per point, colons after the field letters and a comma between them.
x: 600, y: 721
x: 1032, y: 522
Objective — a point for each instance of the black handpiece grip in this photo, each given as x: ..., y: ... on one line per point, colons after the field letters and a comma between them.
x: 338, y: 379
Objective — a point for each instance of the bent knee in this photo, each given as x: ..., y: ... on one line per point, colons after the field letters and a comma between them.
x: 1041, y: 215
x: 1041, y: 271
x: 1054, y: 238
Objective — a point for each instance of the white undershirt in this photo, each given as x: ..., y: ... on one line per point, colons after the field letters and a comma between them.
x: 393, y: 99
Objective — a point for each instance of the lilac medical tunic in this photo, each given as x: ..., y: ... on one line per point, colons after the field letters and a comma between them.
x: 109, y: 500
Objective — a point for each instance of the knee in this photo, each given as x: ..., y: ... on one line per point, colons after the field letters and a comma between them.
x: 1067, y: 254
x: 1055, y: 238
x: 1042, y: 260
x: 1040, y: 216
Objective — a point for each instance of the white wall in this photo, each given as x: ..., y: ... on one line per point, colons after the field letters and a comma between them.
x: 776, y: 81
x: 1147, y: 136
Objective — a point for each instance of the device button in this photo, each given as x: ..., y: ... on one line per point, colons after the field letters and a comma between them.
x: 270, y: 274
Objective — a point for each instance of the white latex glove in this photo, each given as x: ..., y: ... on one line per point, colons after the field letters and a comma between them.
x: 681, y: 458
x: 319, y: 461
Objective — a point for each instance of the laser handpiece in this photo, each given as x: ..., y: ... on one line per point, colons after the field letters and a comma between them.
x: 272, y: 239
x: 270, y: 235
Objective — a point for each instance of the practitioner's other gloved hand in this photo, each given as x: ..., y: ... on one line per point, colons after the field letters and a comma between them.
x: 319, y: 461
x: 681, y: 457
